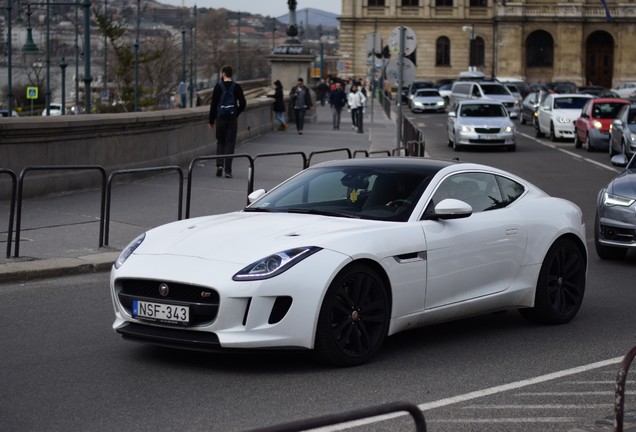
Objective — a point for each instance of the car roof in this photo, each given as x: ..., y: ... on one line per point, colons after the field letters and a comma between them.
x: 480, y: 102
x: 389, y: 162
x: 610, y: 100
x: 567, y: 95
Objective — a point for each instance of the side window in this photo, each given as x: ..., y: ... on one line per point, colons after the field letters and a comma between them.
x: 476, y: 91
x: 480, y: 190
x: 510, y: 190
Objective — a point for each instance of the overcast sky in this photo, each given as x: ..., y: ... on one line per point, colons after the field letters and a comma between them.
x: 264, y: 7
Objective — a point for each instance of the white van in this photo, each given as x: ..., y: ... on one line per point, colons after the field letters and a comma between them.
x: 465, y: 90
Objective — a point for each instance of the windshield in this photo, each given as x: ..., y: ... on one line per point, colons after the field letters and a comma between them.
x: 569, y: 102
x: 495, y: 89
x: 361, y: 192
x: 427, y: 93
x: 482, y: 110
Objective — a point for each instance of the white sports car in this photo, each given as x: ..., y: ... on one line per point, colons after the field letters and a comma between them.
x: 348, y: 252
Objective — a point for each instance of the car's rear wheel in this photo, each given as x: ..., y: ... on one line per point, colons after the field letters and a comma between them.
x: 588, y: 145
x: 577, y: 141
x: 561, y: 284
x: 354, y: 317
x: 606, y: 252
x: 538, y: 132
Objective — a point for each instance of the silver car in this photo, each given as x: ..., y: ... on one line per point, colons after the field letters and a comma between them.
x: 623, y: 132
x: 480, y: 123
x: 427, y: 100
x: 615, y: 224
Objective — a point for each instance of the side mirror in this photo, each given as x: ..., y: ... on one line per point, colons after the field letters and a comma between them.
x: 620, y: 160
x: 514, y: 115
x: 450, y: 208
x: 452, y: 114
x: 256, y: 195
x: 617, y: 123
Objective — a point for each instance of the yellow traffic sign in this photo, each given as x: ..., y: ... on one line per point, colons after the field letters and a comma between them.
x: 32, y: 92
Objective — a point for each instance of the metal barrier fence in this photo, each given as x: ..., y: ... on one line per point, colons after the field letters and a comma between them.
x: 114, y: 174
x: 330, y: 420
x: 14, y: 181
x: 58, y: 168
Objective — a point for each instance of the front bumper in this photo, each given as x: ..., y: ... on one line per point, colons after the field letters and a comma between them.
x: 617, y: 226
x: 598, y: 139
x: 481, y: 139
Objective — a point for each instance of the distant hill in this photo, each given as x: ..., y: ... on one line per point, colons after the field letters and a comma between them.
x: 314, y: 16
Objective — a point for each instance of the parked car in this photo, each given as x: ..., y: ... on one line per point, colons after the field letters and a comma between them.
x: 534, y: 87
x: 623, y: 132
x: 529, y: 107
x: 615, y: 222
x: 557, y: 114
x: 598, y: 91
x: 5, y: 113
x: 348, y: 252
x: 491, y: 90
x: 54, y: 109
x: 626, y: 90
x: 592, y: 128
x: 481, y: 123
x: 562, y: 87
x: 427, y: 100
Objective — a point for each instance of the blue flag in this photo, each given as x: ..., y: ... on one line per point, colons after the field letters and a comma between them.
x: 608, y: 16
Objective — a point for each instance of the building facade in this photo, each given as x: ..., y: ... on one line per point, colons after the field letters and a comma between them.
x: 589, y: 42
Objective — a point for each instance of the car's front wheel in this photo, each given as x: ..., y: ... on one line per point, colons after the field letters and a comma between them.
x: 538, y: 132
x: 552, y: 133
x: 588, y: 145
x: 560, y: 286
x: 577, y: 141
x: 354, y: 317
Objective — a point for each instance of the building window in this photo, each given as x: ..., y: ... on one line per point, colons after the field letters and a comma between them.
x: 478, y: 3
x: 376, y: 2
x: 443, y: 3
x: 442, y: 51
x: 477, y: 52
x: 539, y: 49
x: 410, y: 2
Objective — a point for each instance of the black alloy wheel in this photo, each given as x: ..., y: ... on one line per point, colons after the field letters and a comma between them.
x: 561, y: 284
x: 354, y: 317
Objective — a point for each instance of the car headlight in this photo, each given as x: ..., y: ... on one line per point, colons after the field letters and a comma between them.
x: 508, y: 129
x: 632, y: 138
x: 274, y: 264
x: 611, y: 200
x: 128, y: 250
x: 597, y: 124
x: 564, y: 120
x: 465, y: 129
x: 440, y: 103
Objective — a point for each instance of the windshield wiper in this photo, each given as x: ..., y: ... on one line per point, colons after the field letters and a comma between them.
x: 314, y: 211
x: 258, y: 209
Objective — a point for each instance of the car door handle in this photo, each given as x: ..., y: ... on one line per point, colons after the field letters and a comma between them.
x: 512, y: 231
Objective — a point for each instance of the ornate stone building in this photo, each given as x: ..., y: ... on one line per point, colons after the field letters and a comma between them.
x: 536, y: 40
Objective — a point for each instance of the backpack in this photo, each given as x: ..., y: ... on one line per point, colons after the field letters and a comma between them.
x: 227, y: 104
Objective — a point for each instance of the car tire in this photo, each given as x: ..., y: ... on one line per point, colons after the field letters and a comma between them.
x: 553, y: 137
x: 354, y: 317
x: 588, y: 145
x: 612, y: 153
x: 577, y: 141
x: 560, y: 286
x: 523, y: 119
x: 538, y: 132
x: 512, y: 148
x: 606, y: 252
x: 456, y: 146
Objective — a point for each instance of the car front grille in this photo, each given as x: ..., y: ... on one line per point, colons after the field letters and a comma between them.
x: 487, y: 130
x: 485, y: 141
x: 202, y: 301
x: 617, y: 234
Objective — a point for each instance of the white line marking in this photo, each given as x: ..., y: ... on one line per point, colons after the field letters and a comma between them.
x: 575, y: 155
x: 540, y: 406
x: 480, y: 393
x: 509, y: 420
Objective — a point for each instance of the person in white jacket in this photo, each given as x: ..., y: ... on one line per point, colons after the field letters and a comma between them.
x: 356, y: 100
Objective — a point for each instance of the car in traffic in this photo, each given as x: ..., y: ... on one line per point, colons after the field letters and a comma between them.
x: 615, y: 222
x: 623, y: 132
x: 562, y: 87
x: 557, y: 113
x: 598, y: 91
x: 626, y: 90
x: 486, y: 90
x: 480, y: 123
x: 529, y: 106
x: 417, y: 85
x: 5, y: 113
x: 592, y: 128
x: 427, y: 100
x: 54, y: 109
x: 348, y: 252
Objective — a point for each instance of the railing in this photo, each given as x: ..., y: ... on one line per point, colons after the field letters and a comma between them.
x: 114, y: 174
x: 317, y: 152
x: 14, y: 181
x: 333, y: 419
x: 619, y: 398
x: 58, y: 168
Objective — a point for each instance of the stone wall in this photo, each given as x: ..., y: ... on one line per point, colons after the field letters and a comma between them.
x: 112, y: 141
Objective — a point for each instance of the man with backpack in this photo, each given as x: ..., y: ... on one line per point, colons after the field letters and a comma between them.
x: 228, y: 102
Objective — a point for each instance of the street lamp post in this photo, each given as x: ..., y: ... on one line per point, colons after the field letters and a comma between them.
x: 87, y: 54
x: 183, y: 54
x: 471, y: 31
x: 238, y: 48
x: 137, y: 59
x: 63, y: 67
x: 9, y: 55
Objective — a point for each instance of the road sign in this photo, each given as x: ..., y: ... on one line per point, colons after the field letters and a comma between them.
x: 32, y: 92
x: 410, y: 41
x: 408, y: 71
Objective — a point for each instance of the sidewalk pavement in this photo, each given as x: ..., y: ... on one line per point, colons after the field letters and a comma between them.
x: 59, y: 235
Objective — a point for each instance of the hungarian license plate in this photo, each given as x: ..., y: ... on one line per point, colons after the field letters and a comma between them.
x: 161, y: 312
x: 488, y: 137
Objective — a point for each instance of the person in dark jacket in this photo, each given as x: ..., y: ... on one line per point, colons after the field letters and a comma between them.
x: 337, y: 100
x: 300, y: 102
x: 279, y: 105
x: 226, y: 123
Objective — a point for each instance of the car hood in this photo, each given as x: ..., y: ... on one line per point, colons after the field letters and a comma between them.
x: 624, y: 184
x: 501, y: 98
x: 485, y: 121
x: 427, y: 99
x: 244, y: 237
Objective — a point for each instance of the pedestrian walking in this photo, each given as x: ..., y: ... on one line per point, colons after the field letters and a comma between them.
x: 301, y: 102
x: 183, y: 91
x: 337, y: 100
x: 356, y: 101
x: 228, y: 102
x: 279, y: 105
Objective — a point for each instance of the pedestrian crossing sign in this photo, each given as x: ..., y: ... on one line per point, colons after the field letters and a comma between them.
x: 32, y: 92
